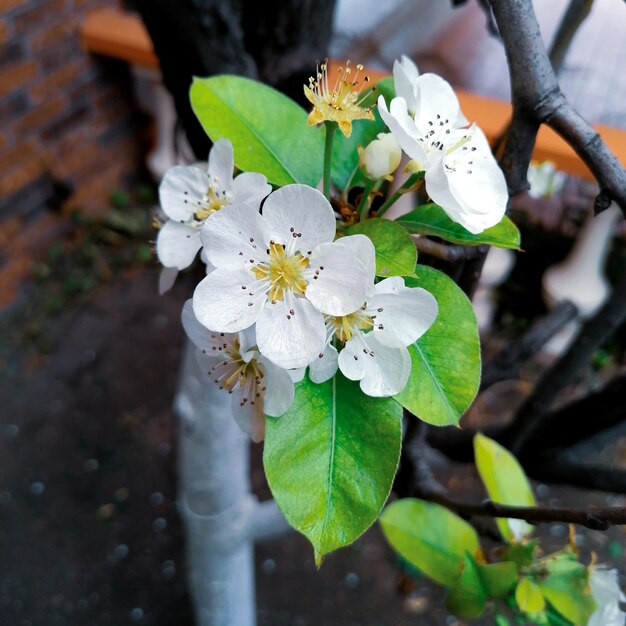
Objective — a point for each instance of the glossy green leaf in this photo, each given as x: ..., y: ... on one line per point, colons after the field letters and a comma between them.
x: 267, y: 129
x: 330, y: 460
x: 345, y: 153
x: 505, y: 481
x: 468, y: 596
x: 430, y: 537
x: 430, y: 219
x: 528, y: 596
x: 566, y: 588
x: 498, y: 578
x: 445, y: 373
x: 395, y: 251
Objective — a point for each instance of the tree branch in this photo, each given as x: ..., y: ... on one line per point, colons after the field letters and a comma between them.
x: 449, y: 253
x: 537, y: 98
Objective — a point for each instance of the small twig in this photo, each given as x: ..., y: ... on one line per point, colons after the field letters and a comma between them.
x: 576, y: 13
x: 506, y: 364
x: 596, y: 518
x: 449, y: 253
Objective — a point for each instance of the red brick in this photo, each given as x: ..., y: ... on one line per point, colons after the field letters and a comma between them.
x: 53, y: 82
x: 24, y: 151
x: 13, y: 77
x: 4, y: 31
x: 5, y: 5
x: 12, y: 180
x: 37, y: 15
x: 39, y: 116
x: 47, y: 37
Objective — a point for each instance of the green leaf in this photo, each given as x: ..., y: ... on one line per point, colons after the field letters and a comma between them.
x: 330, y: 460
x: 396, y: 254
x: 522, y: 554
x: 430, y: 537
x: 501, y: 620
x: 267, y: 129
x: 345, y: 154
x: 529, y: 597
x: 566, y: 587
x: 498, y: 578
x: 468, y: 596
x: 430, y: 219
x: 505, y: 481
x: 445, y: 373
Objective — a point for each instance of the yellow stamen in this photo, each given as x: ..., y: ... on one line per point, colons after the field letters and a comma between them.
x: 346, y: 326
x: 284, y: 272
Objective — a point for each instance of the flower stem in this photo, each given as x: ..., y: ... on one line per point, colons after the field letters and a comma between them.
x: 328, y: 155
x: 409, y: 185
x: 364, y: 205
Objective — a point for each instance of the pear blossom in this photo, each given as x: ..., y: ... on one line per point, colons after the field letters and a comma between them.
x: 545, y: 180
x: 232, y: 361
x: 460, y: 172
x: 376, y: 336
x: 281, y: 271
x: 607, y: 594
x: 342, y: 103
x: 380, y: 157
x: 189, y: 195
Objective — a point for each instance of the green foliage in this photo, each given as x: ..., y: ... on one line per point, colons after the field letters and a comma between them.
x: 395, y: 251
x: 468, y: 596
x: 445, y: 373
x: 498, y: 578
x: 529, y: 597
x: 566, y: 587
x: 430, y: 537
x: 505, y: 481
x: 430, y: 219
x: 522, y: 554
x: 345, y: 153
x: 330, y: 460
x: 267, y: 129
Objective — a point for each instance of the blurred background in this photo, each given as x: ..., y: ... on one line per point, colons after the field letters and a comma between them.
x: 89, y: 352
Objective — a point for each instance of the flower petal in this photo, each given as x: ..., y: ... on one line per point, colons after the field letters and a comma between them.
x: 250, y: 188
x: 280, y: 391
x: 177, y: 245
x: 300, y: 217
x: 167, y: 278
x: 290, y: 332
x: 181, y: 189
x: 228, y: 300
x: 221, y: 165
x: 235, y: 237
x: 405, y: 75
x: 324, y: 367
x: 437, y: 106
x: 249, y: 417
x: 382, y: 370
x: 342, y: 274
x: 405, y: 313
x: 209, y: 343
x: 402, y: 127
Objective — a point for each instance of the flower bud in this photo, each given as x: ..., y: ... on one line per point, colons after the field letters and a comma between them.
x: 380, y: 157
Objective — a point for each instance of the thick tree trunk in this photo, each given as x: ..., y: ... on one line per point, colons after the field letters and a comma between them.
x: 277, y: 42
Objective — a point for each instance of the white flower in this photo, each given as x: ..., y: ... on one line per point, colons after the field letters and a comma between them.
x: 405, y: 75
x: 460, y: 172
x: 189, y: 195
x: 258, y: 387
x: 282, y: 271
x: 607, y: 595
x: 544, y: 180
x: 381, y: 157
x: 376, y: 337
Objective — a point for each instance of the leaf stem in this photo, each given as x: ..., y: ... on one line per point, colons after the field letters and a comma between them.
x: 344, y: 193
x: 409, y: 185
x: 328, y: 155
x: 364, y: 203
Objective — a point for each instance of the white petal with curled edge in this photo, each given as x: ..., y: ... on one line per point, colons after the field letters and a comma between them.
x: 207, y: 341
x: 167, y: 278
x: 342, y: 275
x: 180, y: 191
x: 228, y: 300
x: 382, y: 370
x: 235, y: 237
x: 300, y: 217
x: 280, y: 391
x: 405, y: 75
x: 177, y: 244
x: 402, y: 127
x: 438, y: 105
x: 250, y: 188
x: 290, y: 333
x: 249, y: 417
x: 221, y: 165
x: 324, y: 367
x: 297, y: 374
x: 477, y: 182
x: 407, y: 312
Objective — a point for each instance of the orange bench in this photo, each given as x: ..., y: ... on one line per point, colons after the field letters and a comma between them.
x: 122, y: 35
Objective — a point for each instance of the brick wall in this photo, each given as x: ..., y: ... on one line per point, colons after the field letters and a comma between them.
x: 69, y: 129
